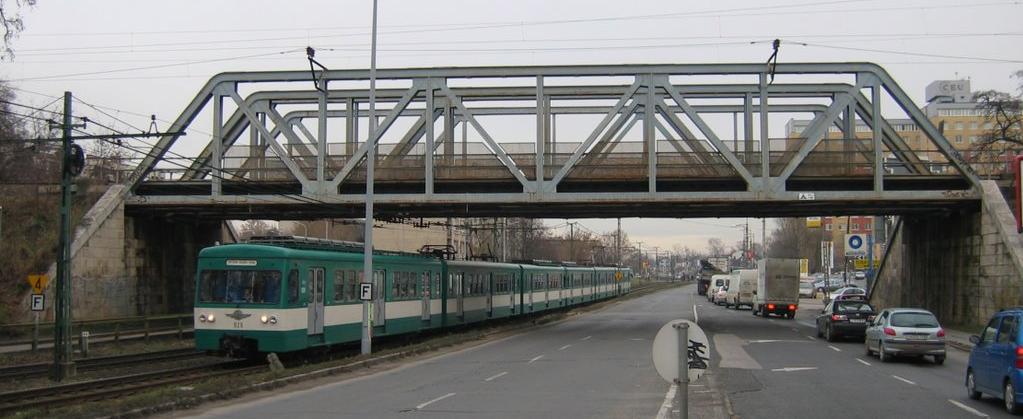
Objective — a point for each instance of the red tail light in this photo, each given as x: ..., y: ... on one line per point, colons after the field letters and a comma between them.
x: 941, y: 333
x: 1019, y: 357
x: 792, y: 307
x: 889, y: 331
x: 838, y: 317
x: 770, y: 306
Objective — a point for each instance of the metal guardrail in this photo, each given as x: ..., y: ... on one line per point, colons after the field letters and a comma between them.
x: 98, y: 328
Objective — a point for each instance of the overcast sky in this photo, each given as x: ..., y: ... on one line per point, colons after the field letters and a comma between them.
x: 151, y: 57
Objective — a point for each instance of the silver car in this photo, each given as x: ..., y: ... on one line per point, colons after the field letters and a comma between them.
x: 905, y: 331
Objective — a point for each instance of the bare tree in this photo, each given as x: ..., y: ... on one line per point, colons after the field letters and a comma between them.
x: 250, y: 228
x: 1005, y: 112
x: 11, y: 16
x: 793, y: 239
x: 717, y: 247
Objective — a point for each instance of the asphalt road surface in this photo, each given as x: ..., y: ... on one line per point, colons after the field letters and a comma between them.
x: 595, y: 365
x: 778, y: 366
x: 598, y: 365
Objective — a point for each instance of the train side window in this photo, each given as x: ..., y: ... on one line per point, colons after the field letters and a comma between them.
x: 396, y: 285
x: 293, y: 286
x: 339, y: 286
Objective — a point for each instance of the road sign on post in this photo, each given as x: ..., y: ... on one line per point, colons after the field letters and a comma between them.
x: 665, y: 351
x: 855, y: 245
x: 38, y: 302
x: 366, y: 291
x: 38, y: 282
x: 670, y: 346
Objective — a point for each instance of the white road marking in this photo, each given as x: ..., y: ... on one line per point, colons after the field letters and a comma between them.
x: 903, y: 380
x: 863, y: 362
x: 968, y: 408
x: 776, y: 341
x: 637, y: 339
x: 564, y: 347
x: 586, y: 338
x: 730, y: 348
x: 665, y: 410
x: 790, y: 369
x: 807, y: 324
x: 811, y: 337
x: 834, y: 348
x: 794, y: 329
x: 422, y: 405
x: 496, y: 376
x: 534, y: 359
x: 696, y: 316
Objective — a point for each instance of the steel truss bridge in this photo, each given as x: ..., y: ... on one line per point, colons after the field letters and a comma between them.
x: 685, y: 140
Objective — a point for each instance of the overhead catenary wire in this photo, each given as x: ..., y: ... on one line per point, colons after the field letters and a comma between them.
x: 910, y: 53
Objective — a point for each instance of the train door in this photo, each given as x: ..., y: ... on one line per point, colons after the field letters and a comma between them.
x: 488, y: 286
x: 316, y: 276
x: 380, y: 300
x: 512, y: 287
x: 426, y: 296
x: 529, y: 282
x: 459, y: 286
x: 547, y: 289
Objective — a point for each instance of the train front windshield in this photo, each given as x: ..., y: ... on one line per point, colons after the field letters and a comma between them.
x: 234, y: 286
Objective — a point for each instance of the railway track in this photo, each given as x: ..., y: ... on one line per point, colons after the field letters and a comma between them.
x: 108, y: 388
x: 92, y: 364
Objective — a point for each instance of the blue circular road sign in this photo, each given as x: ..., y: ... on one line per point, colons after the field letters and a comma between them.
x: 855, y: 242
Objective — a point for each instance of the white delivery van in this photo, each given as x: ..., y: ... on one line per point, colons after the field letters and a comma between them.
x: 741, y: 290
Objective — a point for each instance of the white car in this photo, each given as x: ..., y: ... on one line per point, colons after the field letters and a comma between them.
x: 720, y: 296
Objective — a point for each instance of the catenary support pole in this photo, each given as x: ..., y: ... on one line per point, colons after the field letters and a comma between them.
x: 367, y: 325
x: 63, y: 364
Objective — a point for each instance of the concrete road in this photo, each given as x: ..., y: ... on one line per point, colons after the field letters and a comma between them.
x: 591, y: 366
x: 778, y: 367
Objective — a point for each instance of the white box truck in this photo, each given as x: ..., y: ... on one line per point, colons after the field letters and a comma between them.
x: 777, y: 287
x: 741, y: 290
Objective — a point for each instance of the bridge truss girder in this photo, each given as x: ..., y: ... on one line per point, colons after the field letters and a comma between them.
x: 655, y: 101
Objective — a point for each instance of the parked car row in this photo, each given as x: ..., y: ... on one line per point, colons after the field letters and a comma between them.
x: 892, y: 332
x: 995, y: 366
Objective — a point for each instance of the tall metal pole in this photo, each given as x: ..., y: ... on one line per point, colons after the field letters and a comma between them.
x: 618, y: 242
x: 571, y: 241
x: 367, y: 275
x: 63, y: 364
x: 682, y: 396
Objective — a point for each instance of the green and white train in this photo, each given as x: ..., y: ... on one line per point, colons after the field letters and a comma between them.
x: 293, y: 293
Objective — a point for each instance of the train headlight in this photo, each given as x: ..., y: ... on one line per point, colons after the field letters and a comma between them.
x: 202, y: 318
x: 264, y: 318
x: 273, y: 319
x: 210, y: 318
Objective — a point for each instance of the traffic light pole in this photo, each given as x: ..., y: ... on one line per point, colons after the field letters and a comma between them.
x: 63, y: 363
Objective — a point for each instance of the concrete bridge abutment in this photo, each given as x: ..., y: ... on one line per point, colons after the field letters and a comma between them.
x: 963, y: 266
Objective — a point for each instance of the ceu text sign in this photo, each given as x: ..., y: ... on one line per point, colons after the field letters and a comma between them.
x: 855, y: 245
x: 366, y: 291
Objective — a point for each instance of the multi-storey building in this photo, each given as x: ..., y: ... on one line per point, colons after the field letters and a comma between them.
x: 951, y: 107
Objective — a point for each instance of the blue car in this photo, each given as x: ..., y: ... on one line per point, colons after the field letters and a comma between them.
x: 996, y: 361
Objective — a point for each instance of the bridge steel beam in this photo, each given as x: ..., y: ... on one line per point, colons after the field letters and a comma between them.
x: 463, y: 95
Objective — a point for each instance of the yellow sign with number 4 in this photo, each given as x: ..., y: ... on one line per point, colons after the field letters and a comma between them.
x: 38, y: 282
